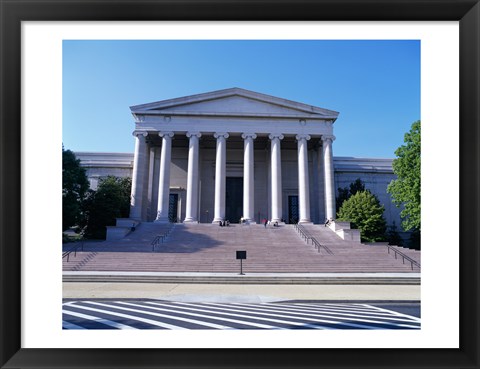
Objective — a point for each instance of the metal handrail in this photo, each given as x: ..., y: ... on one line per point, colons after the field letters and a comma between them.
x: 318, y: 245
x: 155, y: 241
x: 73, y: 249
x: 307, y: 236
x: 412, y: 262
x: 303, y: 233
x: 161, y: 238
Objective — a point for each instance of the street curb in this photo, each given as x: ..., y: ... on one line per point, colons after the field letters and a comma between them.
x: 191, y: 278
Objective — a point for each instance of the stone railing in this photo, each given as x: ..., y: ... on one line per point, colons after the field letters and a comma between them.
x: 343, y: 230
x: 123, y: 227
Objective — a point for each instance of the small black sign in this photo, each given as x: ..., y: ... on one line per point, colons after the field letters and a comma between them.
x: 242, y: 255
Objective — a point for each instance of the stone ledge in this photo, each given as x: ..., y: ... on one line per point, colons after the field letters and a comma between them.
x: 343, y: 230
x: 117, y: 233
x: 190, y: 278
x: 349, y: 234
x: 127, y: 222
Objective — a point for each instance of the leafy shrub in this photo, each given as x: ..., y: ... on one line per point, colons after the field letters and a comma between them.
x: 364, y: 211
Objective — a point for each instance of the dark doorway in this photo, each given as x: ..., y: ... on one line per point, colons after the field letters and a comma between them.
x: 173, y: 207
x: 234, y: 199
x: 292, y: 209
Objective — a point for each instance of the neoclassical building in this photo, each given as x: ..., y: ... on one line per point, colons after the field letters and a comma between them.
x: 236, y: 154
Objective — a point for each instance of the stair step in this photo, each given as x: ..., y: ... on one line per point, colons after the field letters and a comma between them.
x: 210, y: 248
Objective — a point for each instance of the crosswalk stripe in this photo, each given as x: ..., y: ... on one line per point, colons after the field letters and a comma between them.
x: 257, y: 325
x: 370, y: 309
x: 128, y: 314
x: 376, y: 314
x: 258, y: 318
x: 263, y: 308
x: 341, y: 308
x: 328, y: 313
x: 395, y: 313
x: 132, y: 317
x: 225, y: 307
x: 173, y: 317
x: 364, y: 326
x: 306, y: 309
x: 98, y: 320
x: 385, y: 316
x: 68, y: 325
x: 352, y: 305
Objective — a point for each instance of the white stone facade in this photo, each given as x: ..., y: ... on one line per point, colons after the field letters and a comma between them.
x: 102, y: 164
x: 234, y: 154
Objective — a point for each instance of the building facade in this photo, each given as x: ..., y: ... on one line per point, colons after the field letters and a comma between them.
x: 237, y: 155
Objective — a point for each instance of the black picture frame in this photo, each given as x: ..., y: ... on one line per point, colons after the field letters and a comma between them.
x: 12, y: 13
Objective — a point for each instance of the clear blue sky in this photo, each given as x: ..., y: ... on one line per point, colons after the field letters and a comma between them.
x: 374, y: 85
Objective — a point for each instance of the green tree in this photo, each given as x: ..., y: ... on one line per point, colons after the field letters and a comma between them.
x: 74, y: 189
x: 364, y: 211
x: 414, y: 240
x: 393, y: 237
x: 346, y: 192
x: 405, y: 190
x: 104, y: 206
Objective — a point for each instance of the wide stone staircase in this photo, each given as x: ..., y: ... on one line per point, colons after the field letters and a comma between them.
x: 212, y: 249
x: 358, y: 257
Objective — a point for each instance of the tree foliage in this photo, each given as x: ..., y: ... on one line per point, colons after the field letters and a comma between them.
x: 346, y: 192
x: 110, y: 201
x: 405, y: 190
x: 74, y: 189
x: 393, y: 237
x: 364, y: 211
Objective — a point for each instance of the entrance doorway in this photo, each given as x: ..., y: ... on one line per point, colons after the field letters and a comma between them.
x: 292, y: 209
x: 234, y: 199
x: 173, y: 208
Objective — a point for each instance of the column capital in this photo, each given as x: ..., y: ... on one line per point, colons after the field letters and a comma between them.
x: 166, y: 134
x: 330, y: 138
x: 221, y: 135
x: 194, y: 134
x: 250, y: 135
x: 140, y: 133
x: 271, y: 136
x: 302, y: 137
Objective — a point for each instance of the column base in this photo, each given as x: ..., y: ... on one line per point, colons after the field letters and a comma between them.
x: 279, y: 221
x: 305, y: 221
x: 161, y: 220
x: 190, y: 220
x: 247, y: 221
x: 217, y: 220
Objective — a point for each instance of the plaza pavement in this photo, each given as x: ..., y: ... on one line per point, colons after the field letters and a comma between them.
x: 241, y: 292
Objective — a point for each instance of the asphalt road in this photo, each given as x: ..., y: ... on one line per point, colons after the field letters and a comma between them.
x: 162, y: 314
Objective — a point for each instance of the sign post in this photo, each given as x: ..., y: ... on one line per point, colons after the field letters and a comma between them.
x: 241, y: 255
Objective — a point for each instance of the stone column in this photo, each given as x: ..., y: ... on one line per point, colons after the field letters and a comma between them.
x: 220, y: 176
x: 151, y: 169
x: 191, y: 210
x: 139, y: 174
x: 318, y: 191
x: 276, y: 165
x: 164, y: 181
x: 330, y: 211
x: 146, y: 183
x: 248, y: 179
x: 303, y: 180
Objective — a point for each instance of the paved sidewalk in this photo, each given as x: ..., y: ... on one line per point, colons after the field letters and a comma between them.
x: 241, y: 293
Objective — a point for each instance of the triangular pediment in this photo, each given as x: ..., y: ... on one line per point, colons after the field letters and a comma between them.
x: 234, y: 102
